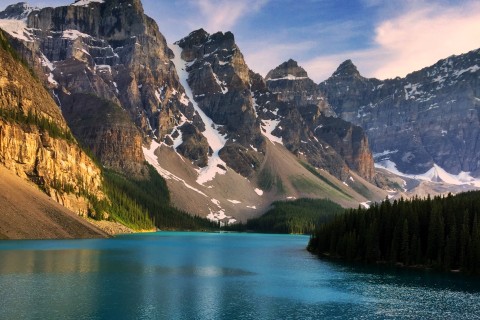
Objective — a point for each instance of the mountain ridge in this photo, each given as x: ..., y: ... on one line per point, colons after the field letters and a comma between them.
x: 196, y: 112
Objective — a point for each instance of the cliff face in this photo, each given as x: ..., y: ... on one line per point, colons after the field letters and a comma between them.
x: 111, y: 50
x: 429, y: 117
x: 35, y: 141
x: 219, y: 80
x: 310, y: 126
x: 107, y: 130
x: 120, y: 86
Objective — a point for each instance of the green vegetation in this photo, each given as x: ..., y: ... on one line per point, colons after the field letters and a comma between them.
x: 301, y: 216
x: 145, y: 204
x: 441, y: 233
x: 43, y: 124
x: 267, y: 180
x: 324, y: 179
x: 5, y: 45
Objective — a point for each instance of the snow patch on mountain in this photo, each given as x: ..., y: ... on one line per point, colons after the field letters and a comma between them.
x: 472, y: 69
x: 73, y: 34
x: 17, y: 29
x: 267, y: 127
x: 379, y: 155
x: 85, y: 3
x: 435, y: 174
x: 288, y: 77
x: 215, y: 140
x: 152, y: 159
x: 222, y: 85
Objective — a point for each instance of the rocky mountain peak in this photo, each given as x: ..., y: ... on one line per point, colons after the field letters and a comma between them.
x: 109, y: 49
x: 17, y: 11
x: 195, y: 38
x: 346, y: 69
x: 288, y: 69
x: 209, y: 44
x: 405, y: 118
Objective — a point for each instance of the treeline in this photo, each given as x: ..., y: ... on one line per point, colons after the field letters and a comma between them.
x: 16, y: 115
x: 441, y: 233
x: 145, y: 204
x: 5, y: 45
x: 300, y: 216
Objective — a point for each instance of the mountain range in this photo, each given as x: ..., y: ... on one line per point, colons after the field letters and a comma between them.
x: 227, y: 141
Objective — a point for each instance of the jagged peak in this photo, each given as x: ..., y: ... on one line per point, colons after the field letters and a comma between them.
x: 346, y: 68
x: 201, y: 37
x: 220, y: 36
x: 289, y: 70
x: 194, y: 38
x: 199, y: 33
x: 17, y: 11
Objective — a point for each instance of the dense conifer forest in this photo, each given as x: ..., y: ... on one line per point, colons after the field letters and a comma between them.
x: 441, y: 233
x: 145, y: 204
x: 301, y: 216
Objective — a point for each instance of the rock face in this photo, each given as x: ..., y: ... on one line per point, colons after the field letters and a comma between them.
x: 35, y: 141
x: 112, y: 50
x: 310, y: 127
x: 106, y: 130
x: 429, y: 117
x: 119, y: 86
x: 219, y: 80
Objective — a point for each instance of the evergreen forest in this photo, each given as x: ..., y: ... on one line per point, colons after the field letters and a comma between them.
x: 145, y: 204
x: 442, y: 233
x: 300, y: 216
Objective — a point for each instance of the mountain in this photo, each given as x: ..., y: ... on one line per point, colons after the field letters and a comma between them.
x: 253, y: 134
x: 426, y: 121
x: 227, y: 142
x: 93, y: 51
x: 37, y: 146
x: 292, y: 86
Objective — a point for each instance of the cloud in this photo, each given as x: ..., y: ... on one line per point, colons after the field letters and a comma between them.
x: 424, y: 36
x: 222, y: 15
x: 417, y: 38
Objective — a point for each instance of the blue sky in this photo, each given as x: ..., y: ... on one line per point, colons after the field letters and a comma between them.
x: 383, y: 38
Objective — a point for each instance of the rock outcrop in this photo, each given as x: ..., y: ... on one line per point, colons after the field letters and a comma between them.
x: 35, y: 141
x: 219, y: 80
x: 429, y: 117
x: 112, y: 50
x: 310, y: 126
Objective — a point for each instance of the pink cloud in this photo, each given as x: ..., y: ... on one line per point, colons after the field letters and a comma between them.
x: 422, y: 37
x: 415, y: 39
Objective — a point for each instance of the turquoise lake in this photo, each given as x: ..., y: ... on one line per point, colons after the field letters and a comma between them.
x: 175, y: 275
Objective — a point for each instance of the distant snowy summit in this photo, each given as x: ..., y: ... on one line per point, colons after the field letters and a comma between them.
x: 84, y: 3
x: 17, y: 11
x: 430, y: 117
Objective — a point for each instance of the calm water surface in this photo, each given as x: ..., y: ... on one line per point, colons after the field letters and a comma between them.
x: 214, y: 276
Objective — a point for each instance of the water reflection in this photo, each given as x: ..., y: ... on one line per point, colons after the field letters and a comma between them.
x: 204, y: 276
x: 57, y: 261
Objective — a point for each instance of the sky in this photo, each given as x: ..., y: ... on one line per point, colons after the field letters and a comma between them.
x: 384, y: 39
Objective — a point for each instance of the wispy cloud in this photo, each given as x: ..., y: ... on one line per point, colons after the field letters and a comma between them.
x: 422, y: 37
x: 417, y: 38
x: 222, y: 15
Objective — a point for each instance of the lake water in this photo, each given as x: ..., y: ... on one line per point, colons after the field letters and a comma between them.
x: 214, y: 276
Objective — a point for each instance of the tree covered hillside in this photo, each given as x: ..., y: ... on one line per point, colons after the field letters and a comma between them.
x: 441, y: 233
x: 300, y: 216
